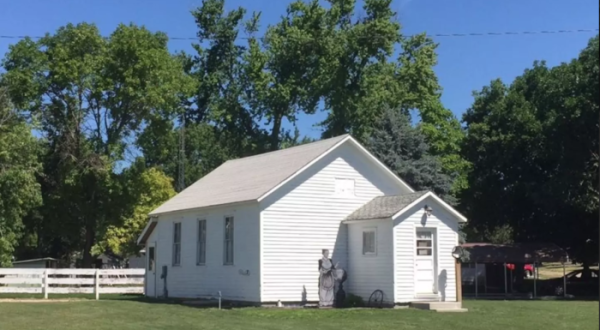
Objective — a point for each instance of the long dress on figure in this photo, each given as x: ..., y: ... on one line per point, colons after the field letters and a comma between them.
x: 326, y: 282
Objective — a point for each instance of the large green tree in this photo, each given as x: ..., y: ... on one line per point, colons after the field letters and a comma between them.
x: 244, y: 90
x: 220, y: 122
x: 145, y: 189
x: 404, y: 149
x: 533, y: 146
x: 316, y: 57
x: 370, y: 66
x: 92, y: 96
x: 19, y: 165
x: 284, y: 67
x: 217, y: 67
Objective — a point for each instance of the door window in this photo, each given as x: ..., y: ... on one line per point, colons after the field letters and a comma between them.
x: 424, y: 243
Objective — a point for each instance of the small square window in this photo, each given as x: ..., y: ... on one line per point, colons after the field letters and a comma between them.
x: 344, y: 187
x: 369, y: 242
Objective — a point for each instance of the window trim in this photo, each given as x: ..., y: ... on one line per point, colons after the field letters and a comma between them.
x: 227, y: 262
x: 366, y: 230
x: 199, y: 242
x: 173, y: 262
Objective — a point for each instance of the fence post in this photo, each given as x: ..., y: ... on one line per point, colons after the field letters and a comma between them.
x: 45, y: 284
x: 476, y: 282
x: 220, y: 296
x: 97, y: 284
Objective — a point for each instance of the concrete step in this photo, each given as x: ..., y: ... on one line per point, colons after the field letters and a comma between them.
x: 427, y: 297
x: 438, y: 305
x: 459, y: 310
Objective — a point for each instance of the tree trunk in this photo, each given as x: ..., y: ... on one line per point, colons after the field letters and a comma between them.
x: 88, y: 260
x: 275, y: 133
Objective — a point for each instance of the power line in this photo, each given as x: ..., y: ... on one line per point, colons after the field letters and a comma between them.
x: 439, y: 35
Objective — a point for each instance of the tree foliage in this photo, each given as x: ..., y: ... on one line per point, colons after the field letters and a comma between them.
x: 145, y: 190
x: 317, y: 57
x: 92, y: 96
x: 404, y: 150
x: 533, y: 146
x: 19, y: 166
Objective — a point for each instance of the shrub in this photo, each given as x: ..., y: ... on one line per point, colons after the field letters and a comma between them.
x: 354, y: 301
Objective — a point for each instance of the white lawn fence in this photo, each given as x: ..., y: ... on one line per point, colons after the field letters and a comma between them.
x: 70, y: 280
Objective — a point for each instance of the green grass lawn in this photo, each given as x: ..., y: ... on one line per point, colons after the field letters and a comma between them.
x: 133, y: 314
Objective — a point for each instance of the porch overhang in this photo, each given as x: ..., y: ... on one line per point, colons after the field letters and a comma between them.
x: 350, y: 221
x: 391, y: 207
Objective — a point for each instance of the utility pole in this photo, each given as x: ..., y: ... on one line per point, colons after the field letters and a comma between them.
x: 181, y: 158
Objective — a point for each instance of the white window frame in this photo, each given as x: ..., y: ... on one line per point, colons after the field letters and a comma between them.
x: 228, y: 241
x: 201, y: 243
x: 369, y: 230
x: 176, y: 257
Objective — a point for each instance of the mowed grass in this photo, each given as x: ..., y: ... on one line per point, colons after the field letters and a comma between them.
x: 139, y: 315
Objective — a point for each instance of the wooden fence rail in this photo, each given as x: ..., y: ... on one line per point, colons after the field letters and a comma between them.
x: 62, y: 281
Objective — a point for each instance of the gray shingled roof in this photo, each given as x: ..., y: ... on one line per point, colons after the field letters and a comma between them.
x: 248, y: 178
x: 383, y: 207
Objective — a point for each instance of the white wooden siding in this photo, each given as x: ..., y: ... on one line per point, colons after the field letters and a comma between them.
x: 367, y: 273
x: 304, y: 216
x: 240, y: 281
x: 446, y: 227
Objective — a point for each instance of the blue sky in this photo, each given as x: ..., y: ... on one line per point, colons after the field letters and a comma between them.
x: 465, y: 63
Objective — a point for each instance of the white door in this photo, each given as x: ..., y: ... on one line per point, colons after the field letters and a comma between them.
x: 151, y: 271
x: 425, y: 261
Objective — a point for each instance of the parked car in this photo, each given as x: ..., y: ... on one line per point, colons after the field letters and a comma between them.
x: 578, y: 284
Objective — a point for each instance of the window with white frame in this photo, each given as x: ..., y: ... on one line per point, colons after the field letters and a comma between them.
x: 344, y: 187
x: 201, y: 243
x: 228, y: 242
x: 369, y: 241
x: 177, y: 244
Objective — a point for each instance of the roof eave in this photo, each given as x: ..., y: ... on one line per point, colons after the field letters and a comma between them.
x: 147, y: 231
x: 461, y: 218
x: 34, y: 260
x: 302, y: 169
x: 349, y: 221
x: 156, y: 214
x: 331, y: 149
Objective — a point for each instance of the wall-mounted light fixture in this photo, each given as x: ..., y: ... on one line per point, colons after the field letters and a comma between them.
x: 457, y: 252
x: 428, y: 210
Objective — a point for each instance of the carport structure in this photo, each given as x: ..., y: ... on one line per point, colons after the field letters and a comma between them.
x: 493, y: 256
